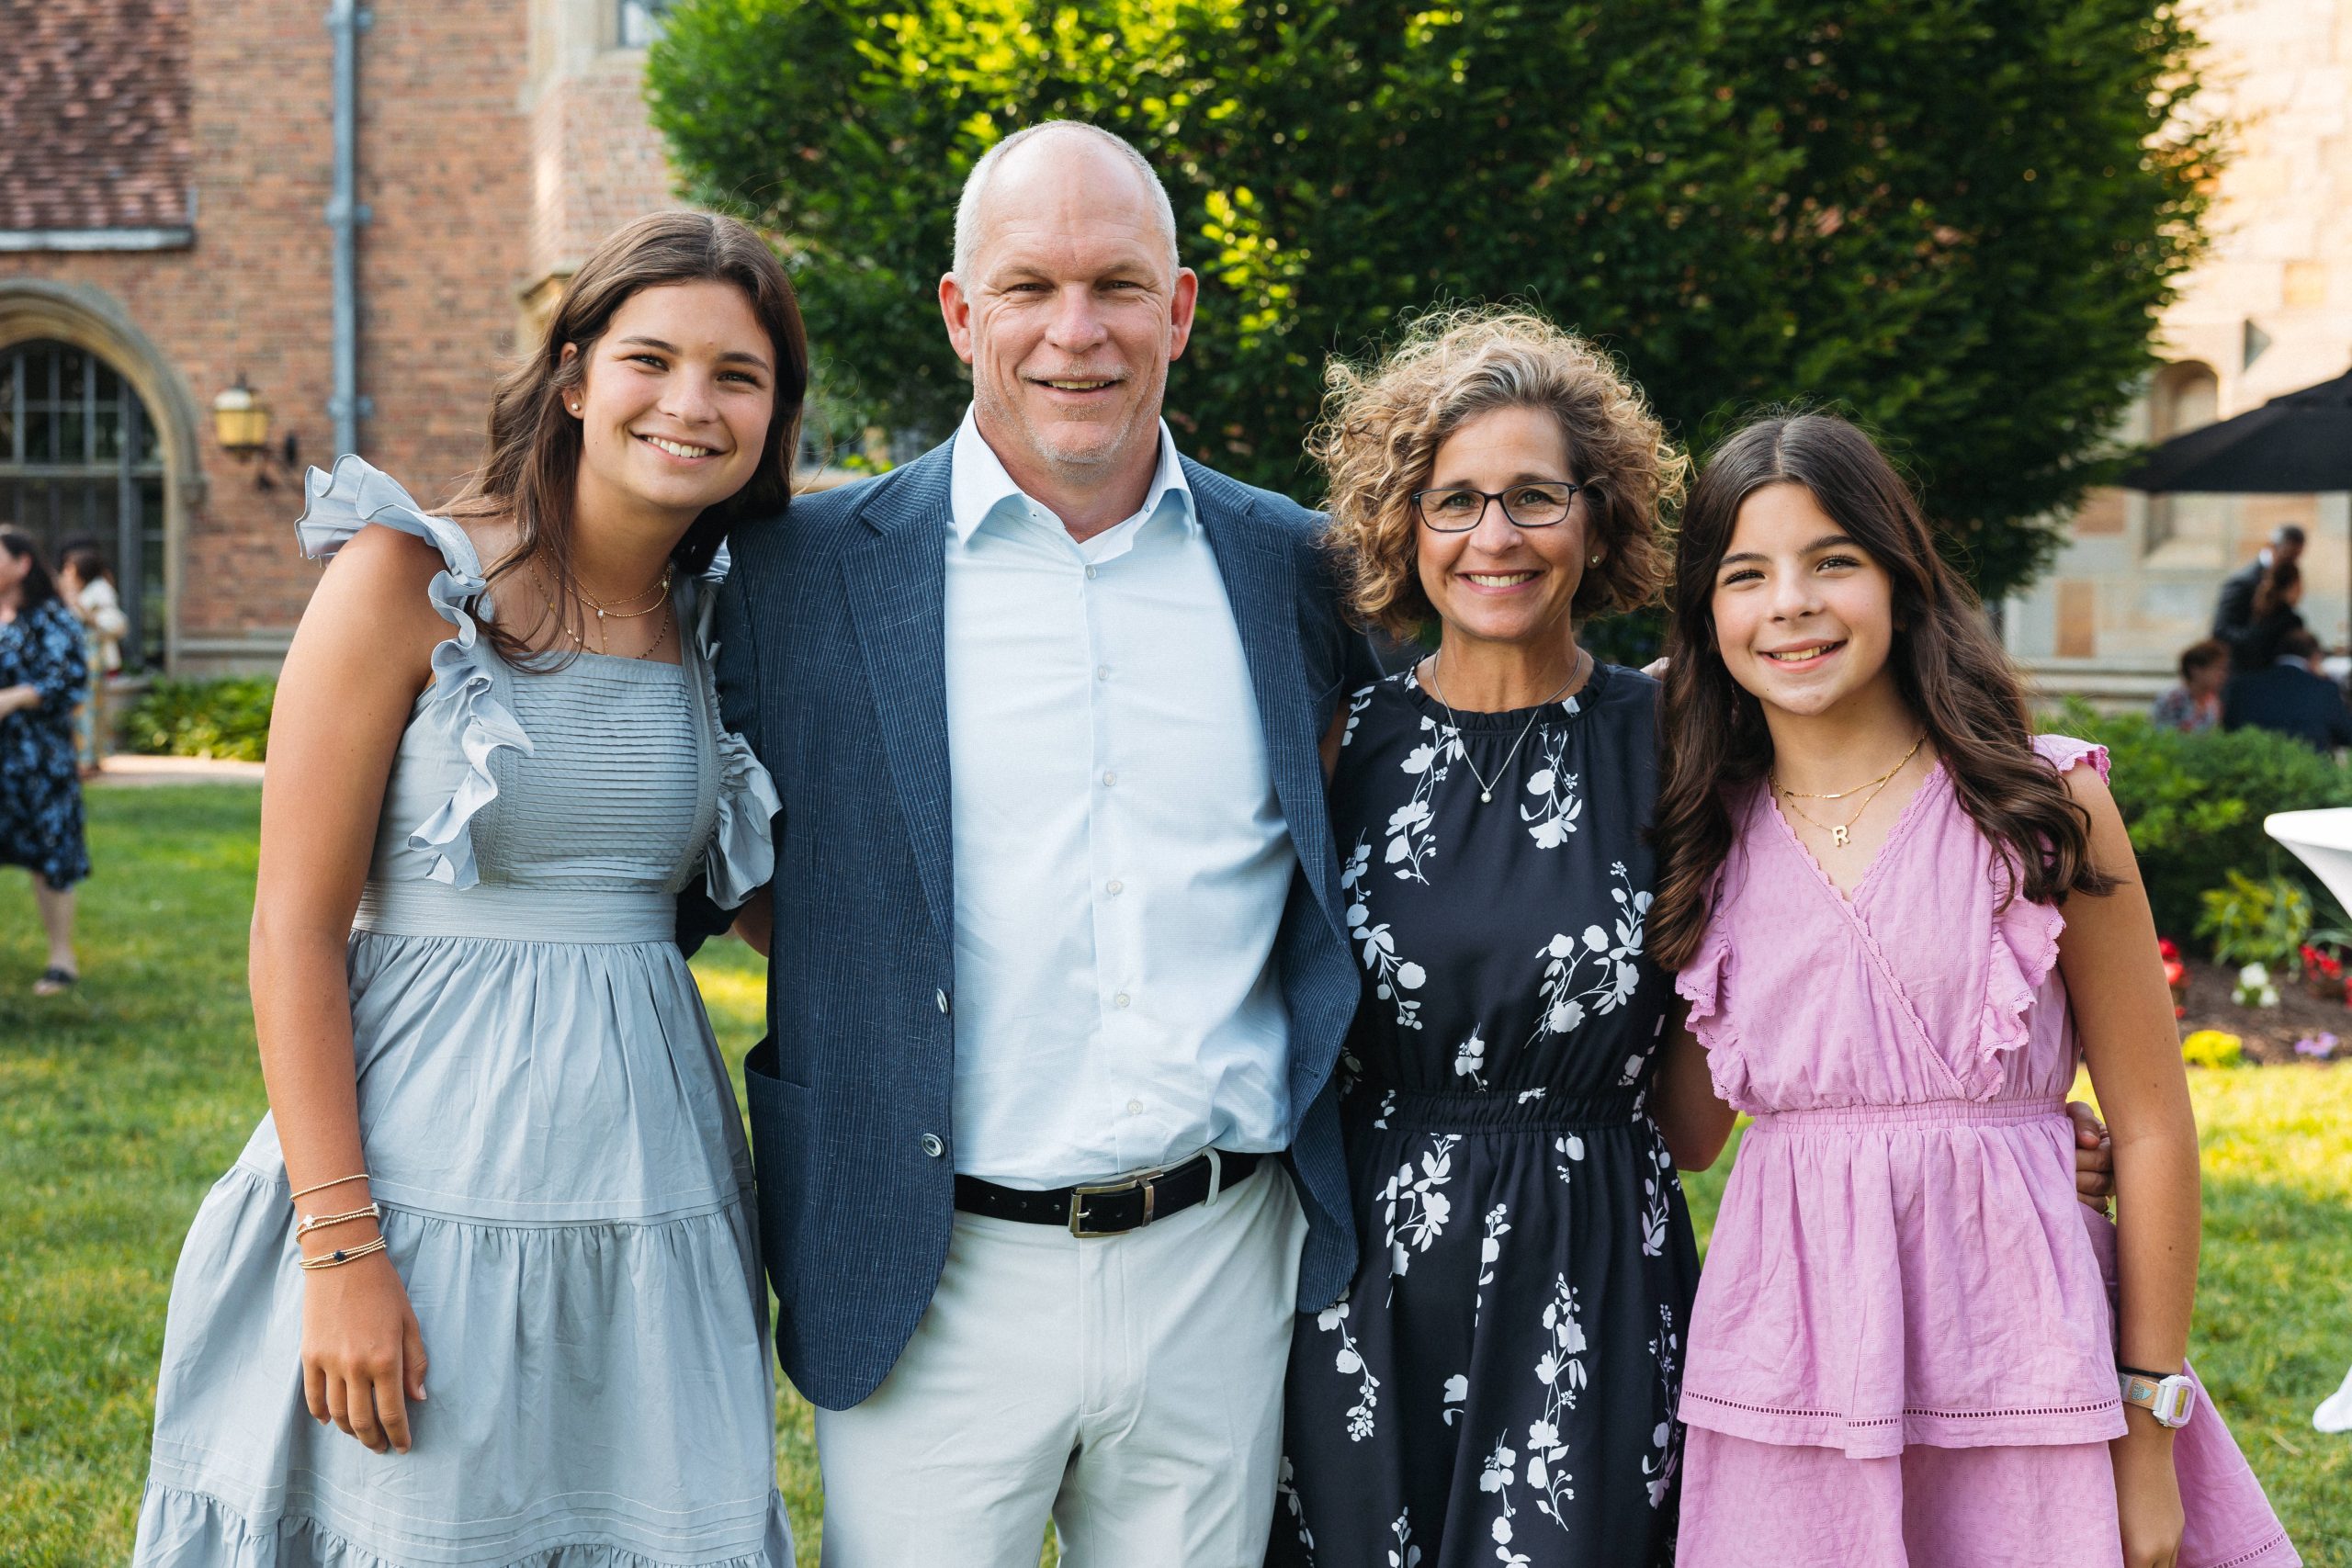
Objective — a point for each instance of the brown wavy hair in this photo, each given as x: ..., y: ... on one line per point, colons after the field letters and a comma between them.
x: 1384, y: 421
x: 531, y: 461
x: 1949, y: 668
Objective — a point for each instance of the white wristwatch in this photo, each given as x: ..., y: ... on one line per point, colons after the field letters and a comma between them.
x: 2170, y: 1400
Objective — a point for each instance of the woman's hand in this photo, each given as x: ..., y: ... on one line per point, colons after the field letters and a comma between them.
x: 18, y: 699
x: 363, y: 1354
x: 755, y: 922
x: 2147, y: 1493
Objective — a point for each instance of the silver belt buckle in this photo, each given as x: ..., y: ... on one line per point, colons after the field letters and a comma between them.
x: 1078, y: 1195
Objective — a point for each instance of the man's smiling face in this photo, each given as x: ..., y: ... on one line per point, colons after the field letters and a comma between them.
x: 1071, y: 311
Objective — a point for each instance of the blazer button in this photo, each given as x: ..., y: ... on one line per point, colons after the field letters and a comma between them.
x: 932, y: 1146
x: 941, y: 997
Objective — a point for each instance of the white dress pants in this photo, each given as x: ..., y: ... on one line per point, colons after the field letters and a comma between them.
x: 1129, y: 1388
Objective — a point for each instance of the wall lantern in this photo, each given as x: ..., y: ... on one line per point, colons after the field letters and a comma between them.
x: 241, y: 423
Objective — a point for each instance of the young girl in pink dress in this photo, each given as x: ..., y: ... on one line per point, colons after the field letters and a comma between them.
x: 1900, y: 919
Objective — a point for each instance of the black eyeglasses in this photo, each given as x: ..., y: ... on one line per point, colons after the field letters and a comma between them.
x: 1527, y: 505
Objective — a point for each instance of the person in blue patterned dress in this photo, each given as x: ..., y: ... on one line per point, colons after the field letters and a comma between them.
x: 502, y: 1141
x: 42, y: 672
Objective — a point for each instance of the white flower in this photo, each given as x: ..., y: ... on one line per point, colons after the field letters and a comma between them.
x: 1596, y: 938
x: 1457, y: 1389
x: 1410, y: 975
x: 1561, y: 946
x: 1540, y: 781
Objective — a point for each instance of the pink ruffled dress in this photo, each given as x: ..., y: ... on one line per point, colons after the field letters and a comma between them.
x: 1903, y: 1348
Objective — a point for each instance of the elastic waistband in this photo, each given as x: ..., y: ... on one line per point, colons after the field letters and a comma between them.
x: 1476, y: 1110
x: 1925, y: 1113
x: 508, y: 912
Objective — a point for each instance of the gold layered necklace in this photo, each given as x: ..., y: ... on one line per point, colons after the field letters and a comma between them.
x: 659, y: 594
x: 1841, y: 833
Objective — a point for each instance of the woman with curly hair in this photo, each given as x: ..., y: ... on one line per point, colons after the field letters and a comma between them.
x: 1501, y: 1375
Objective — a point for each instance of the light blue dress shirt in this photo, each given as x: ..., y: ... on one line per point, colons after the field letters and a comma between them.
x: 1121, y: 862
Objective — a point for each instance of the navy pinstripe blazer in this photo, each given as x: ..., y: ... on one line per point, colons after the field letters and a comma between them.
x: 832, y: 649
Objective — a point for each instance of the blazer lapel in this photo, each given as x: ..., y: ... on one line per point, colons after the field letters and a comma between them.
x: 1260, y: 582
x: 896, y: 579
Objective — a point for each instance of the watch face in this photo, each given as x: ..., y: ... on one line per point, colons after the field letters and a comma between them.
x: 2176, y: 1397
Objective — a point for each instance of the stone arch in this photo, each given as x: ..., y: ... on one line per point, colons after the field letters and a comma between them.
x: 93, y: 320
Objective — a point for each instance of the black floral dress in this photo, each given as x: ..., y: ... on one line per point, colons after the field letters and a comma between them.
x: 41, y: 790
x: 1498, y: 1385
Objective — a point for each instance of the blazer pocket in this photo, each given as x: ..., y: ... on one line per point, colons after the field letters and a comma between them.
x: 779, y: 1117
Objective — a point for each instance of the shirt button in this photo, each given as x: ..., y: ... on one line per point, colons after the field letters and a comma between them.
x: 1110, y: 777
x: 1119, y: 1000
x: 1135, y: 1107
x: 1101, y: 672
x: 941, y: 997
x: 1114, y: 887
x: 1089, y: 574
x: 932, y: 1146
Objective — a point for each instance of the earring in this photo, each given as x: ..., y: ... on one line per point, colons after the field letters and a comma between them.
x: 1595, y: 561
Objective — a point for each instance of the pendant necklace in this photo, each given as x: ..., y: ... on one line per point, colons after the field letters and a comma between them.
x: 1486, y: 790
x: 1841, y: 833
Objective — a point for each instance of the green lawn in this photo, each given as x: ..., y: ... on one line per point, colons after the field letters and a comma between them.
x: 120, y: 1104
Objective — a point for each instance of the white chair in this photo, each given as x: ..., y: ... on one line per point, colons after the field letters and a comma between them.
x: 2322, y: 841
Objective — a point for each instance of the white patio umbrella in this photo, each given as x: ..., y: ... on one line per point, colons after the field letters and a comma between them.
x: 2322, y: 841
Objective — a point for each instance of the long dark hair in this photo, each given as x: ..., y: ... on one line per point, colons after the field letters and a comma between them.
x: 532, y: 458
x: 39, y: 587
x: 1947, y: 666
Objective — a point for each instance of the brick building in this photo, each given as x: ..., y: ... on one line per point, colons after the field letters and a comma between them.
x: 167, y: 181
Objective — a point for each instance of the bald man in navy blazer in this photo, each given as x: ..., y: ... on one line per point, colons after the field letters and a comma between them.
x: 1046, y: 1146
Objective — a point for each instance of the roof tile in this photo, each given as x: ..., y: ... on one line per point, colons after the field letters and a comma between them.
x: 93, y: 114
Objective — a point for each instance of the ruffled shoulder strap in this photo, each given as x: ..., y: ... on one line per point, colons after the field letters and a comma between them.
x: 336, y: 505
x: 2024, y: 947
x: 2063, y: 752
x: 741, y: 858
x: 462, y: 700
x: 1705, y: 982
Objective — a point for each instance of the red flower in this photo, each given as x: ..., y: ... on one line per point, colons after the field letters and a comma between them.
x: 2166, y: 951
x: 2176, y: 973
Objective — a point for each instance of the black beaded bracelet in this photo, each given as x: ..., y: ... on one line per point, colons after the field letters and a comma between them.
x: 2144, y: 1372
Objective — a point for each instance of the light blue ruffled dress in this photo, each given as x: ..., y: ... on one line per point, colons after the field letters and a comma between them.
x: 550, y: 1130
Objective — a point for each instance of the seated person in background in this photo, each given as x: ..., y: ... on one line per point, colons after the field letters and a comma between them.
x: 2234, y: 610
x: 2274, y: 615
x: 2196, y: 704
x: 2289, y: 696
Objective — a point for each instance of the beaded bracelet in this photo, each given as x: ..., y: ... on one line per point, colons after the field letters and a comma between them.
x: 338, y: 1181
x: 320, y: 1222
x: 338, y: 1257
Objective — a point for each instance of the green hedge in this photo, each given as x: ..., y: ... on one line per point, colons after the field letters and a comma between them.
x: 227, y: 718
x: 2195, y: 805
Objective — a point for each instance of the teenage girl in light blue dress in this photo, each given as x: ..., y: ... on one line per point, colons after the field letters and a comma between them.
x: 484, y: 1287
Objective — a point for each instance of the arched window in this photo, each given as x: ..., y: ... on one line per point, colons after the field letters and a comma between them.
x: 2183, y: 398
x: 80, y: 463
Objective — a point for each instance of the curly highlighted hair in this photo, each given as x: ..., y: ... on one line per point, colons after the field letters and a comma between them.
x: 1384, y: 421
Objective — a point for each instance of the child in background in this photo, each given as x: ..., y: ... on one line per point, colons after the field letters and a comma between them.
x: 1900, y: 920
x: 2196, y: 704
x: 88, y: 588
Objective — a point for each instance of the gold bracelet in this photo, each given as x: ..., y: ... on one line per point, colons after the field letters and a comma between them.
x: 320, y: 1222
x: 338, y: 1257
x: 339, y: 1182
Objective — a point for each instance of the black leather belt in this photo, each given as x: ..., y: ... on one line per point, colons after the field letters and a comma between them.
x: 1111, y: 1208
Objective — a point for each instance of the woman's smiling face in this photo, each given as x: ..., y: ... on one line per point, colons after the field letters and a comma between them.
x: 676, y: 401
x: 1499, y: 582
x: 1804, y: 617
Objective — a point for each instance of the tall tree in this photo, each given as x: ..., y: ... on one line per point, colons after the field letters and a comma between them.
x: 1955, y: 219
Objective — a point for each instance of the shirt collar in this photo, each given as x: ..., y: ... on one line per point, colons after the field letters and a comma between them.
x: 977, y: 483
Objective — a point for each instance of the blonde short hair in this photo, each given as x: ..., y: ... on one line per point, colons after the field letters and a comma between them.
x: 1383, y: 424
